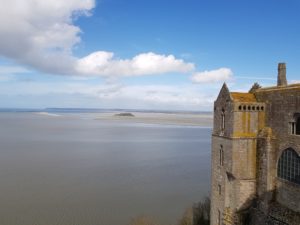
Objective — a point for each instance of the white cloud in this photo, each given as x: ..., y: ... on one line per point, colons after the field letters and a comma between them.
x: 103, y: 63
x: 295, y: 82
x: 255, y: 78
x: 213, y: 76
x: 12, y: 70
x: 42, y: 35
x: 6, y: 77
x: 85, y: 94
x: 7, y: 73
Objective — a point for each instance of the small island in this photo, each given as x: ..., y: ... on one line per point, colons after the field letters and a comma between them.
x: 125, y: 114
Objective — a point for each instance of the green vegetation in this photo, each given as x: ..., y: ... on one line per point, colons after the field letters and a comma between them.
x: 201, y: 212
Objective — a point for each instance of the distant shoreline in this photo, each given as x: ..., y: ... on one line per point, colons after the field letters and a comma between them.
x: 180, y: 118
x: 99, y: 110
x: 203, y: 120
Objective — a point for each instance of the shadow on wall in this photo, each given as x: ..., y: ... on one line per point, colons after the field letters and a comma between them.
x: 265, y: 209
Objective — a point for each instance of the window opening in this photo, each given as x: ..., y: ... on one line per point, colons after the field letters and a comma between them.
x: 295, y: 124
x: 293, y: 128
x: 288, y: 167
x: 221, y: 155
x: 298, y: 126
x: 223, y: 120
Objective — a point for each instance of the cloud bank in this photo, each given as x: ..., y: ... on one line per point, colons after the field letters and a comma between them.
x: 103, y: 63
x: 42, y: 35
x: 213, y: 76
x: 94, y: 95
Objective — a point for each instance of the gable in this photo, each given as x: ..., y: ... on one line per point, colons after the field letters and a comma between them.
x: 224, y: 94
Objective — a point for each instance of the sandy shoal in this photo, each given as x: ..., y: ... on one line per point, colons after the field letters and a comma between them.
x: 189, y: 119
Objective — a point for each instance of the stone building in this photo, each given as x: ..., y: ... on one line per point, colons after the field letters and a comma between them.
x: 256, y: 155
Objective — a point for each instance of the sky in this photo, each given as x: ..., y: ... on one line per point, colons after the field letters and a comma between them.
x: 142, y: 54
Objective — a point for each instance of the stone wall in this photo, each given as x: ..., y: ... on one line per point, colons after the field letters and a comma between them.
x: 223, y: 105
x: 281, y: 106
x: 288, y: 194
x: 277, y: 215
x: 248, y: 119
x: 245, y: 188
x: 219, y: 191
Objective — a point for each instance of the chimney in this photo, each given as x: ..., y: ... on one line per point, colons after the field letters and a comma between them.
x: 281, y: 79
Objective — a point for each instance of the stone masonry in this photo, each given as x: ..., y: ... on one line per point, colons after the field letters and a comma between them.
x: 256, y: 155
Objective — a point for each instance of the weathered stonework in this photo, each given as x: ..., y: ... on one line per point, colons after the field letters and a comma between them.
x: 251, y: 131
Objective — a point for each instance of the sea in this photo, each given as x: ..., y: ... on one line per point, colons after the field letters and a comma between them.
x: 63, y: 167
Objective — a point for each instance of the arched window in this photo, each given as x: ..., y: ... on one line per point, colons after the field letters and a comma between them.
x: 288, y: 167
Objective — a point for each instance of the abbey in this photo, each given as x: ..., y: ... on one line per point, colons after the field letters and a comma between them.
x: 256, y: 155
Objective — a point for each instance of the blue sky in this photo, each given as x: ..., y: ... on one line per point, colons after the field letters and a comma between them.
x: 142, y: 54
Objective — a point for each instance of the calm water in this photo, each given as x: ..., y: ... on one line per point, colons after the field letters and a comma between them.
x: 74, y: 170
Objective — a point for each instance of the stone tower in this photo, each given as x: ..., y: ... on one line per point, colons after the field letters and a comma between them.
x: 255, y: 174
x: 237, y: 119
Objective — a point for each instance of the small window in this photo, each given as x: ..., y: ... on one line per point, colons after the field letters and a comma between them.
x: 219, y: 217
x: 295, y: 125
x: 219, y: 189
x: 223, y: 120
x: 240, y: 107
x: 288, y: 167
x: 292, y: 128
x: 221, y: 155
